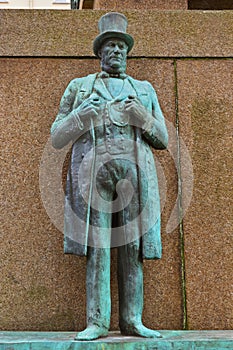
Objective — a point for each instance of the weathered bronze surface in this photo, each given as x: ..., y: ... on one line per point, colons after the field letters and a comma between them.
x: 112, y: 196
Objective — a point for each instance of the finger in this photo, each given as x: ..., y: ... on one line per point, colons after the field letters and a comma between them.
x: 91, y: 112
x: 129, y: 102
x: 92, y: 109
x: 96, y: 110
x: 90, y: 101
x: 84, y: 104
x: 128, y: 106
x: 95, y: 113
x: 135, y: 100
x: 95, y: 102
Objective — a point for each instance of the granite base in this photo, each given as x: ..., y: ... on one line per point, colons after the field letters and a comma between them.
x: 175, y: 340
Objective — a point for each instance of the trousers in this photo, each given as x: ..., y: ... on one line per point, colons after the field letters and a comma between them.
x: 116, y: 216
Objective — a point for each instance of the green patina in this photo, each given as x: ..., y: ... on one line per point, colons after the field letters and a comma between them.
x: 113, y: 121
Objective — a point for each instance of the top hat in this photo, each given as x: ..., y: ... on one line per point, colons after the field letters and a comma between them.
x: 112, y: 25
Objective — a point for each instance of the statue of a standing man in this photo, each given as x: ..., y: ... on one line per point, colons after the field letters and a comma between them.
x: 112, y: 196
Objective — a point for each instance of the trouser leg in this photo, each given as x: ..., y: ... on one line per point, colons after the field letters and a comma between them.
x: 98, y: 271
x: 98, y: 257
x: 130, y: 284
x: 98, y: 287
x: 130, y: 267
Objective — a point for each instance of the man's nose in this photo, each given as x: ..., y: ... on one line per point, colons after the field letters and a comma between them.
x: 117, y: 49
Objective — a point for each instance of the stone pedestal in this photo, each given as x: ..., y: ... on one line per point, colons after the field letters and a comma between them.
x: 174, y: 340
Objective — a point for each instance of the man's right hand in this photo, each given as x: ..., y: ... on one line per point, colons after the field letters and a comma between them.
x: 67, y: 130
x: 89, y: 108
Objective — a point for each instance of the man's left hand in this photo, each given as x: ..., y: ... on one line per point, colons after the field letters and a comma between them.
x: 135, y: 108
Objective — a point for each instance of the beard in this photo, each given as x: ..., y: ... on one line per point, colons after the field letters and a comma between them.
x: 107, y: 67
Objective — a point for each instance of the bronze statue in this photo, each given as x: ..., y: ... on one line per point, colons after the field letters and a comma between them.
x: 112, y: 196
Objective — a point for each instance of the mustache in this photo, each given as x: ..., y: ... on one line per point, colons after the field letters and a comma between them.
x: 113, y: 55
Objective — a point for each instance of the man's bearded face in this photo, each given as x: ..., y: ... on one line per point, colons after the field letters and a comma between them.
x: 113, y: 56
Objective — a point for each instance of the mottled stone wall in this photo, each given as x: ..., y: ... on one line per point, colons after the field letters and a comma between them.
x: 189, y: 62
x: 142, y: 4
x: 206, y: 124
x: 157, y: 33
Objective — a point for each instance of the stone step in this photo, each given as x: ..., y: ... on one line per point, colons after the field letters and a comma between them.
x: 172, y: 340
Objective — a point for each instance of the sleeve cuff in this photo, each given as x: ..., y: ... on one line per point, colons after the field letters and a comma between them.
x: 148, y: 125
x: 77, y: 120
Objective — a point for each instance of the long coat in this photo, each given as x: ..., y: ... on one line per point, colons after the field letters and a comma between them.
x: 77, y: 208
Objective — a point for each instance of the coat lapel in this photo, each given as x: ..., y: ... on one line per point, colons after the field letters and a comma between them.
x: 101, y: 89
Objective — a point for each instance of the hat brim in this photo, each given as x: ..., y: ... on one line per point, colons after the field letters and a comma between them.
x: 113, y: 34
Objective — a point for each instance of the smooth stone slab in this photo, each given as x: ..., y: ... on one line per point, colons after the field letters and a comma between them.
x: 142, y: 5
x: 178, y: 340
x: 167, y: 33
x: 205, y: 124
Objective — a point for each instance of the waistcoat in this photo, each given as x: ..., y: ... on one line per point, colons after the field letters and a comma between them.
x: 113, y: 124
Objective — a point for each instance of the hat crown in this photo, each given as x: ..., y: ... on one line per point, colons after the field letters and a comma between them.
x: 112, y: 25
x: 113, y: 21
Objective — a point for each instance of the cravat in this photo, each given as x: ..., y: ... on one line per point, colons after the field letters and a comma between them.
x: 104, y: 74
